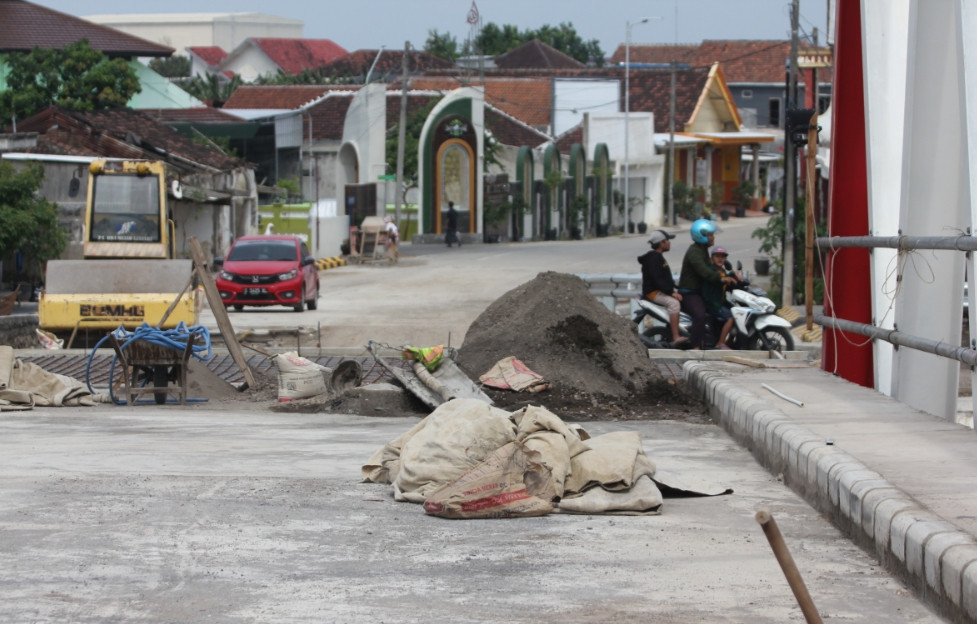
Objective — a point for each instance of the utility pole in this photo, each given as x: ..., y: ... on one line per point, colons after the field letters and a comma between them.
x: 790, y: 165
x: 401, y: 133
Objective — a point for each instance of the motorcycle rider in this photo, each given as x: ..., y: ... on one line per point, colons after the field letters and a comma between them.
x: 714, y: 296
x: 657, y: 283
x: 698, y: 270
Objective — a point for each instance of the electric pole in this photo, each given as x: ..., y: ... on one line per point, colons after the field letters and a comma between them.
x: 401, y: 133
x: 790, y: 165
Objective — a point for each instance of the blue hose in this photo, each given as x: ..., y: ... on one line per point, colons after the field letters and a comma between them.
x: 175, y: 338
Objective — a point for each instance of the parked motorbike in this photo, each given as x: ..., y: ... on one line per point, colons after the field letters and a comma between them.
x: 755, y: 323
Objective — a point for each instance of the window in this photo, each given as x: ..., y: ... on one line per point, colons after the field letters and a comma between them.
x: 746, y: 94
x: 774, y: 118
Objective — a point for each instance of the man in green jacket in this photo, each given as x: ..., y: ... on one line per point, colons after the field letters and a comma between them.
x: 697, y: 270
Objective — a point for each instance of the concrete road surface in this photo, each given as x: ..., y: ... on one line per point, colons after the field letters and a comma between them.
x: 182, y: 514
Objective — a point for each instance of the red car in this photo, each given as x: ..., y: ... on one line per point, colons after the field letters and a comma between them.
x: 268, y: 270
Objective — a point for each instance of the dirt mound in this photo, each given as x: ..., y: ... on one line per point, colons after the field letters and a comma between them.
x: 598, y: 368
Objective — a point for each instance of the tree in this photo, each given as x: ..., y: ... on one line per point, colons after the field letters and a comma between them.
x: 441, y: 45
x: 211, y: 88
x: 412, y: 137
x: 75, y: 77
x: 28, y: 222
x: 494, y: 40
x: 173, y: 67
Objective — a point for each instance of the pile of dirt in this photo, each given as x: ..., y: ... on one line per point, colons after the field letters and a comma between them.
x: 597, y: 366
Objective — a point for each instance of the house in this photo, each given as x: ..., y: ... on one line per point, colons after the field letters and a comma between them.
x: 205, y: 60
x: 27, y: 25
x: 385, y: 65
x: 755, y: 72
x: 212, y: 196
x: 266, y: 57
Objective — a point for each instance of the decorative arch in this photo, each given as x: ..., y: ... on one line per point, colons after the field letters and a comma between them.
x: 450, y: 150
x: 552, y: 204
x: 602, y: 181
x: 525, y: 169
x: 578, y: 188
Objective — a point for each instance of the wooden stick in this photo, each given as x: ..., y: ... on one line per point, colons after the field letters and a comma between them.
x: 786, y: 562
x: 220, y: 312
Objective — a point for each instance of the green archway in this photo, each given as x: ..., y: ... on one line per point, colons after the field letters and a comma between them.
x: 525, y: 169
x: 553, y: 180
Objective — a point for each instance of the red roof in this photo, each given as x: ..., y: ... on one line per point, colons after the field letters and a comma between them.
x: 535, y: 54
x: 212, y: 55
x: 295, y: 55
x: 526, y: 99
x: 25, y: 26
x: 743, y: 60
x: 287, y: 97
x: 651, y: 92
x: 389, y: 63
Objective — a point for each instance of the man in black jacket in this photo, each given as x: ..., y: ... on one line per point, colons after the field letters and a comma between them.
x: 657, y: 283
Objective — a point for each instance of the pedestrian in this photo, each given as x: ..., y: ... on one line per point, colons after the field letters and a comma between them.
x: 452, y: 226
x: 393, y: 237
x: 657, y: 283
x: 269, y: 229
x: 697, y: 270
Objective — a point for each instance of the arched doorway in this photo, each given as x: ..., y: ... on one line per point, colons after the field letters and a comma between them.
x: 454, y: 179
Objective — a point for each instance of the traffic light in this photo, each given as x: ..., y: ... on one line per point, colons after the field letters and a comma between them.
x: 798, y: 125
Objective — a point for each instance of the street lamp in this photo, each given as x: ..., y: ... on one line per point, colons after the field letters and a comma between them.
x: 627, y: 114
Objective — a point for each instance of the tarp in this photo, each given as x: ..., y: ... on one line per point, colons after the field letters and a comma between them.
x: 25, y: 384
x: 467, y: 442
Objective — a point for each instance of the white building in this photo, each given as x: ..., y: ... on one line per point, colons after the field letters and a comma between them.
x: 184, y: 30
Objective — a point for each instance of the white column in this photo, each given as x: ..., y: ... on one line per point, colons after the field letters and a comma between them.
x: 935, y: 202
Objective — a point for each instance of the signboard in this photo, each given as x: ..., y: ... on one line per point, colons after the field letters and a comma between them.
x: 811, y: 59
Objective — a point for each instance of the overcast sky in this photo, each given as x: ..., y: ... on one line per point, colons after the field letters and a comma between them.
x: 356, y: 24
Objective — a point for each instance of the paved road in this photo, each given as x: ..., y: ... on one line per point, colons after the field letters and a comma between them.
x: 169, y: 514
x: 434, y: 293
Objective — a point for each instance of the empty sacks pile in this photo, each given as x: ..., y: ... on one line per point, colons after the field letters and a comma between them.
x: 468, y: 459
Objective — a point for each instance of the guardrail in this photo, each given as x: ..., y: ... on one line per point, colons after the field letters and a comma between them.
x: 610, y: 288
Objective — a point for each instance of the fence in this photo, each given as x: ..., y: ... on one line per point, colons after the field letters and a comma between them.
x: 964, y: 243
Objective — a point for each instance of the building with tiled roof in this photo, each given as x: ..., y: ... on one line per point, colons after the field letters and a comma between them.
x: 27, y: 26
x: 526, y: 99
x: 385, y: 64
x: 278, y: 97
x: 258, y: 57
x: 204, y: 60
x: 755, y: 72
x: 206, y: 179
x: 535, y: 54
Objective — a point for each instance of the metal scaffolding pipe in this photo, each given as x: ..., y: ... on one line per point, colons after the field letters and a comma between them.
x: 961, y: 354
x: 955, y: 243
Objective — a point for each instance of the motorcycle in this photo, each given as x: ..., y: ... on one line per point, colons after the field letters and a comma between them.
x: 756, y: 326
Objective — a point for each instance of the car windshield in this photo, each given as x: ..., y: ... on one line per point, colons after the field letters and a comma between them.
x: 262, y: 250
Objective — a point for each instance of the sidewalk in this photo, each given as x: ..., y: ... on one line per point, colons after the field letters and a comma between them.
x: 895, y: 480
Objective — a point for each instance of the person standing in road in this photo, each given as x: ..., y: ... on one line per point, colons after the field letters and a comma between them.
x: 452, y: 226
x: 697, y: 270
x: 657, y: 283
x: 393, y: 237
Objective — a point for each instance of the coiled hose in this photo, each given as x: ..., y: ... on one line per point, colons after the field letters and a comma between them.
x: 175, y: 338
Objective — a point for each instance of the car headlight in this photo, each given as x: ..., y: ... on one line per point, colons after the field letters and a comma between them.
x: 227, y: 276
x: 287, y: 276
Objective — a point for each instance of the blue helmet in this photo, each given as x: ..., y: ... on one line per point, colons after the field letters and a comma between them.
x: 701, y: 229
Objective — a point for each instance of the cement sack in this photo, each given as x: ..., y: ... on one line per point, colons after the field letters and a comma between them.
x: 455, y: 438
x: 510, y: 483
x: 299, y: 378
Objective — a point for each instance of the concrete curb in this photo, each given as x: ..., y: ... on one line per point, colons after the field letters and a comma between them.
x: 935, y: 557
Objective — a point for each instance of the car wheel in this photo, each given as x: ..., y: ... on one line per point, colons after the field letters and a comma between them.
x: 298, y: 307
x: 238, y: 307
x: 313, y: 303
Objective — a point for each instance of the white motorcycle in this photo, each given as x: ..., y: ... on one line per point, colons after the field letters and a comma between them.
x: 756, y: 325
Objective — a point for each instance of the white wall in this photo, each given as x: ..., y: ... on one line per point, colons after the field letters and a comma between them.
x: 572, y: 97
x: 184, y: 30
